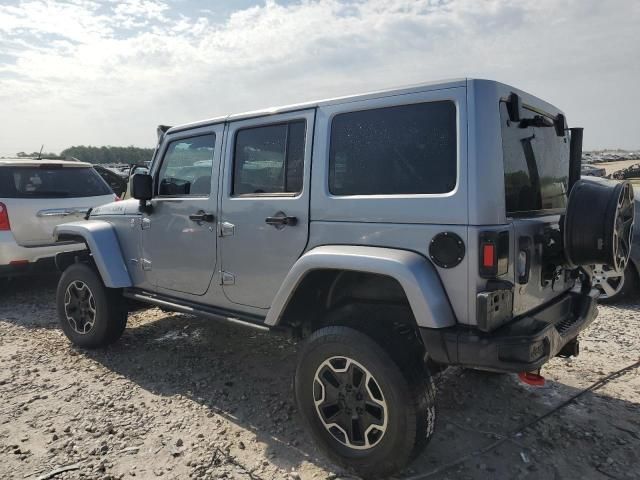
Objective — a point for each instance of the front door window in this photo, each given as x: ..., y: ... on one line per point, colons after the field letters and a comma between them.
x: 186, y: 168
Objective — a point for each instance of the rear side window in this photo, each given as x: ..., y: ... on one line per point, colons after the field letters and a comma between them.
x: 51, y: 181
x: 408, y: 149
x: 269, y: 159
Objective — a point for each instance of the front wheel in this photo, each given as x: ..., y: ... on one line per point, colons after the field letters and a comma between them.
x: 90, y: 314
x: 366, y: 409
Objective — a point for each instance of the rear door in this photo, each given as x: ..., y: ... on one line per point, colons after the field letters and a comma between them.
x: 39, y: 197
x: 536, y: 163
x: 265, y: 204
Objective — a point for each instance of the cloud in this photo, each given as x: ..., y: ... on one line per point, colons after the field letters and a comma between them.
x: 107, y: 72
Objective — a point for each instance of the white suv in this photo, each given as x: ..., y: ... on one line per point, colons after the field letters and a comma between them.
x: 35, y: 196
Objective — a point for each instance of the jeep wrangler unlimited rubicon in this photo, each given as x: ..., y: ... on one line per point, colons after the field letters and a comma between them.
x: 441, y: 224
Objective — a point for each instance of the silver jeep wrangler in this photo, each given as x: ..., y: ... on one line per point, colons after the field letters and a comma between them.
x: 396, y: 231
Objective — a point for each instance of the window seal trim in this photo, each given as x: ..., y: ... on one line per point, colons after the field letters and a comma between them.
x: 536, y: 213
x: 268, y: 195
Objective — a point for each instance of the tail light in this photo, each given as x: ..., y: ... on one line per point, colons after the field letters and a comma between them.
x: 494, y: 254
x: 494, y: 306
x: 489, y: 257
x: 4, y: 218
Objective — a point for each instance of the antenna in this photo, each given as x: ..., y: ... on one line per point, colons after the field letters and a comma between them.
x: 40, y: 154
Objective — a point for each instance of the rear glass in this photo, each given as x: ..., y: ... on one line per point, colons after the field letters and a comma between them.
x: 51, y: 182
x: 536, y: 166
x: 407, y: 149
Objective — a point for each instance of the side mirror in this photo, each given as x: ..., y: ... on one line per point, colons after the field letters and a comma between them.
x: 142, y: 187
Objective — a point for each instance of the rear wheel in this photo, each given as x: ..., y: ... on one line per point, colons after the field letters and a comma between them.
x: 90, y: 314
x: 368, y: 410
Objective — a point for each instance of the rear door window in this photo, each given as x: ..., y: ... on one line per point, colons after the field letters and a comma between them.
x: 407, y: 149
x: 269, y: 159
x: 51, y: 181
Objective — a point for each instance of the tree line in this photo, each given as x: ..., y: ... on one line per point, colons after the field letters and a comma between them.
x: 106, y: 154
x: 130, y: 155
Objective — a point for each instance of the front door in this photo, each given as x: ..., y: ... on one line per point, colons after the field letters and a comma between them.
x: 265, y: 204
x: 179, y: 234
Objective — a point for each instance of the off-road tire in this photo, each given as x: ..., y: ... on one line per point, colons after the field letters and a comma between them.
x: 409, y: 396
x: 109, y: 312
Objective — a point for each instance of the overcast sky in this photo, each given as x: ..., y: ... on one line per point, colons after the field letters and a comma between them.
x: 107, y: 72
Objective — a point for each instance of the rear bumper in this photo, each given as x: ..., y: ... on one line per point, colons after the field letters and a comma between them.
x: 18, y: 260
x: 524, y: 344
x: 44, y: 265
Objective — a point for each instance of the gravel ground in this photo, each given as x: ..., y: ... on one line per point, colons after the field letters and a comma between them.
x: 181, y: 397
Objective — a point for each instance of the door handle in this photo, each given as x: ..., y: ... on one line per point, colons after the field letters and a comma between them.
x: 281, y: 221
x: 202, y: 216
x: 61, y: 212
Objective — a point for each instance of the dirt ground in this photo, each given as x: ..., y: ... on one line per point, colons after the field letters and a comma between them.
x: 180, y: 397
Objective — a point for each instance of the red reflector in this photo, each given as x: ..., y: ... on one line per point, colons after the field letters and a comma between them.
x: 19, y: 262
x: 4, y: 218
x: 488, y: 255
x: 531, y: 378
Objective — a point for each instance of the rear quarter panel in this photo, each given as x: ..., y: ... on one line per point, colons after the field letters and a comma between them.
x: 487, y: 210
x: 397, y: 221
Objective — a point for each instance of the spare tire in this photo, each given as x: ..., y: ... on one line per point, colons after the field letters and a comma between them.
x: 598, y: 224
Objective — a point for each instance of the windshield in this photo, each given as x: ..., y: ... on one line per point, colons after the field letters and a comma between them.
x: 51, y: 181
x: 536, y: 165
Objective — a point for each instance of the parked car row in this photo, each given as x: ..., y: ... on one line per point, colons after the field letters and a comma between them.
x: 609, y: 156
x: 117, y: 182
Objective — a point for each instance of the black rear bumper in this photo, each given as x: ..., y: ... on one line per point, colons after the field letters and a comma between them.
x: 524, y: 344
x: 44, y: 265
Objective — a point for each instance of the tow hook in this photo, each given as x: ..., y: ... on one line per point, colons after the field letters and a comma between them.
x: 532, y: 378
x: 571, y: 349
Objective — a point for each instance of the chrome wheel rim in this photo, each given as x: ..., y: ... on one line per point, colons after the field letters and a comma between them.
x: 623, y: 228
x: 350, y: 403
x: 80, y: 307
x: 607, y: 280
